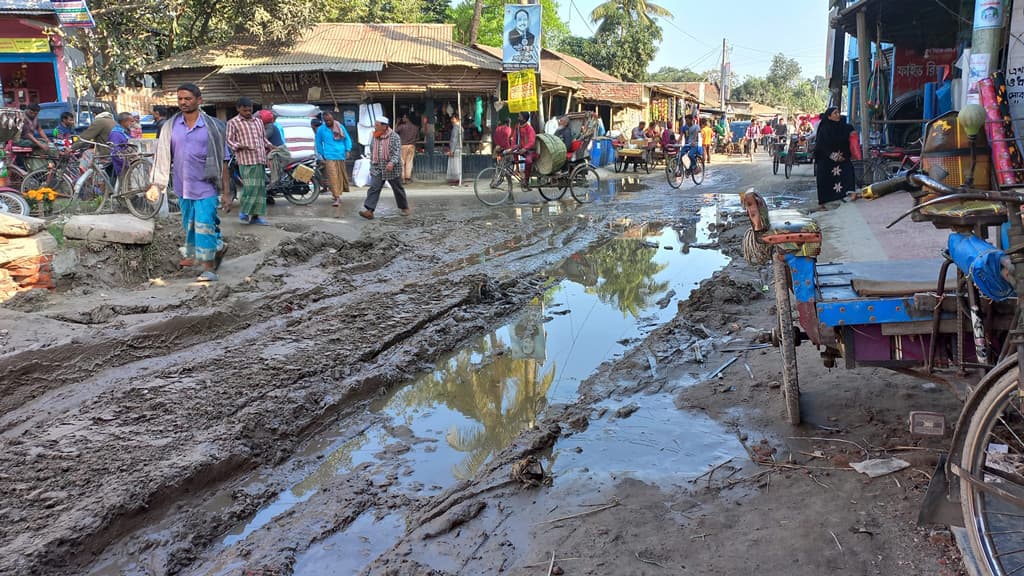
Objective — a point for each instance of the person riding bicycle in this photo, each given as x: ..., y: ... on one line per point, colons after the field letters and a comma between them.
x: 522, y: 145
x: 691, y: 141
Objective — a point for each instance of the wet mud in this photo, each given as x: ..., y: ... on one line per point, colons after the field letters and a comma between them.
x: 469, y: 393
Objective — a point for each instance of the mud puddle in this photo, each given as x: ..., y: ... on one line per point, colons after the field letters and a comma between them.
x: 648, y: 439
x: 447, y: 424
x: 349, y: 551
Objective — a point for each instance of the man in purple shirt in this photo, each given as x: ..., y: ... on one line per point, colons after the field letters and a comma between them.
x: 194, y: 150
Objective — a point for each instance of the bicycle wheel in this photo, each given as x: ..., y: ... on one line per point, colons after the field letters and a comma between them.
x: 784, y: 314
x: 94, y: 187
x: 697, y: 173
x: 555, y: 189
x: 991, y: 482
x: 789, y: 169
x: 44, y: 178
x: 11, y: 202
x: 674, y: 172
x: 134, y: 184
x: 492, y: 187
x: 775, y: 165
x: 584, y: 184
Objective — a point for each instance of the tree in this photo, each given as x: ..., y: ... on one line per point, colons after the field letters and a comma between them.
x: 639, y: 10
x: 784, y: 72
x: 670, y: 74
x: 492, y: 21
x: 622, y: 47
x: 373, y: 11
x: 474, y: 24
x: 753, y: 89
x: 435, y: 11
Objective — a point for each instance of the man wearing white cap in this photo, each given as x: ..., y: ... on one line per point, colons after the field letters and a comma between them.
x: 385, y: 164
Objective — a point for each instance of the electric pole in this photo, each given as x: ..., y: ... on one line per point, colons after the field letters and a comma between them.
x: 723, y: 82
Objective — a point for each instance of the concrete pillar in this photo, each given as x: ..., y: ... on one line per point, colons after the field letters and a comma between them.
x: 863, y: 73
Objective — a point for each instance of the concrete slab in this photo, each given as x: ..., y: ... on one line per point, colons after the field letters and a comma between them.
x: 18, y: 225
x: 856, y: 232
x: 116, y: 228
x: 27, y: 246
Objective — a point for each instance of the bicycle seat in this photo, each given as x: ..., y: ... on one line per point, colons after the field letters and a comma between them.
x: 961, y: 213
x: 791, y: 230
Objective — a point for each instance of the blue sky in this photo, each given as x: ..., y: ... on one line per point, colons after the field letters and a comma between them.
x: 756, y: 30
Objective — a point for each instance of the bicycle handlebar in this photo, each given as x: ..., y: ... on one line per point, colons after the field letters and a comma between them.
x: 93, y: 143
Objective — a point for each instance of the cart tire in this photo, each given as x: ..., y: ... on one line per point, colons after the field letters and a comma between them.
x: 993, y: 524
x: 584, y: 184
x: 620, y: 163
x: 775, y: 166
x: 788, y: 170
x: 553, y: 193
x: 784, y: 311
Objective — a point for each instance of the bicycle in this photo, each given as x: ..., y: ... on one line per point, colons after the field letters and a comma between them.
x: 675, y: 174
x: 60, y: 177
x: 493, y: 185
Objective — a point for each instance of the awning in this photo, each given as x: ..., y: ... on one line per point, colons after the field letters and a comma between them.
x: 908, y: 23
x: 311, y: 67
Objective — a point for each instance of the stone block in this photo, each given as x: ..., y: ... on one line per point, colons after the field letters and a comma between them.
x: 116, y: 228
x: 27, y: 246
x: 17, y: 225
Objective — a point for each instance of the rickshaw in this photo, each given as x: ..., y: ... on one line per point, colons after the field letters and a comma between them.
x: 792, y: 151
x: 944, y: 320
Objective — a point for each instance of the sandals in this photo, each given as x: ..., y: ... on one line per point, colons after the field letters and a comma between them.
x: 336, y: 203
x: 207, y: 276
x: 219, y: 256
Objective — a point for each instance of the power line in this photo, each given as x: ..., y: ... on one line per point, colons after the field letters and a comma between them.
x: 709, y: 54
x: 586, y: 23
x: 687, y: 33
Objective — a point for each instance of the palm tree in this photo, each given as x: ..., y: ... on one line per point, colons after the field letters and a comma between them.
x: 474, y: 25
x: 640, y: 10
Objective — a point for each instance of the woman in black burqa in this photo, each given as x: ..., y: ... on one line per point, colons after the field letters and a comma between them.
x: 832, y: 154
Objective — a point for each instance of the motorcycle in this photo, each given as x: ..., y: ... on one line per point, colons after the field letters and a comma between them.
x: 300, y: 182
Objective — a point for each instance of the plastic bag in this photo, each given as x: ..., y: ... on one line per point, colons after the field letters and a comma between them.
x: 361, y: 172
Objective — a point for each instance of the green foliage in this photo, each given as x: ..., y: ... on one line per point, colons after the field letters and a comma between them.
x: 435, y: 11
x: 623, y: 47
x: 670, y: 74
x: 783, y: 88
x: 376, y: 11
x: 553, y: 29
x: 637, y: 10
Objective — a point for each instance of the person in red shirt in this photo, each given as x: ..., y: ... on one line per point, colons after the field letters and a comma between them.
x: 523, y: 145
x: 503, y: 136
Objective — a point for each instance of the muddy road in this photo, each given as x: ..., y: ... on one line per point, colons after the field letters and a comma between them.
x: 470, y: 390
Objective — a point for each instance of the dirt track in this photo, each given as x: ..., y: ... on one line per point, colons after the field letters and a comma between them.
x: 135, y: 441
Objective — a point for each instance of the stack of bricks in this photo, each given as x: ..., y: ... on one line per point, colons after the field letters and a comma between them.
x: 26, y: 255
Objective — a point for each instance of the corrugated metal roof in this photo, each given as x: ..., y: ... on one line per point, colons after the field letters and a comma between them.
x: 33, y: 6
x: 550, y: 70
x: 629, y: 93
x: 341, y: 44
x: 580, y: 69
x: 285, y: 68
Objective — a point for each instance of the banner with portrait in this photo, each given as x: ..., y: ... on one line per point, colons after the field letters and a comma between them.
x: 521, y: 37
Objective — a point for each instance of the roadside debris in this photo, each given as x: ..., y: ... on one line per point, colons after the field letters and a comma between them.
x: 879, y: 467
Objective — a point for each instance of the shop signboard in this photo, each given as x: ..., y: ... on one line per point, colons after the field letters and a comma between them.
x: 522, y: 91
x: 24, y: 45
x: 521, y: 37
x: 913, y: 69
x: 73, y: 13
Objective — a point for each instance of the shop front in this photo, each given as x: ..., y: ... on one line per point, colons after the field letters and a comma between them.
x: 32, y: 68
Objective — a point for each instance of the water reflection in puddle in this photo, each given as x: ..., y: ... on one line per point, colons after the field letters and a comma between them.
x: 477, y: 401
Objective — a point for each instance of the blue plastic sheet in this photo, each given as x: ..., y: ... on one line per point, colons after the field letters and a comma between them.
x: 983, y: 263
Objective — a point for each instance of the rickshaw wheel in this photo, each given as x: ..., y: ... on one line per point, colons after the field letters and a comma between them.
x: 787, y: 344
x: 789, y: 170
x: 993, y: 522
x: 775, y: 165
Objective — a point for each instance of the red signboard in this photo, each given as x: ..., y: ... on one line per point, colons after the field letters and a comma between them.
x: 913, y: 69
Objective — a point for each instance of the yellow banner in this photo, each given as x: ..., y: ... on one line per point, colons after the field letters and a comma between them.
x: 522, y: 91
x: 24, y: 45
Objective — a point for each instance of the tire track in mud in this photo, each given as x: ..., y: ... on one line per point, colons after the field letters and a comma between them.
x: 101, y: 469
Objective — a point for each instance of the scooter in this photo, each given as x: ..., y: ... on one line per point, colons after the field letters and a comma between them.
x: 300, y: 182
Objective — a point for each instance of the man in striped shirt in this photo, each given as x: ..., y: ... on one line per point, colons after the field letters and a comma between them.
x: 247, y: 139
